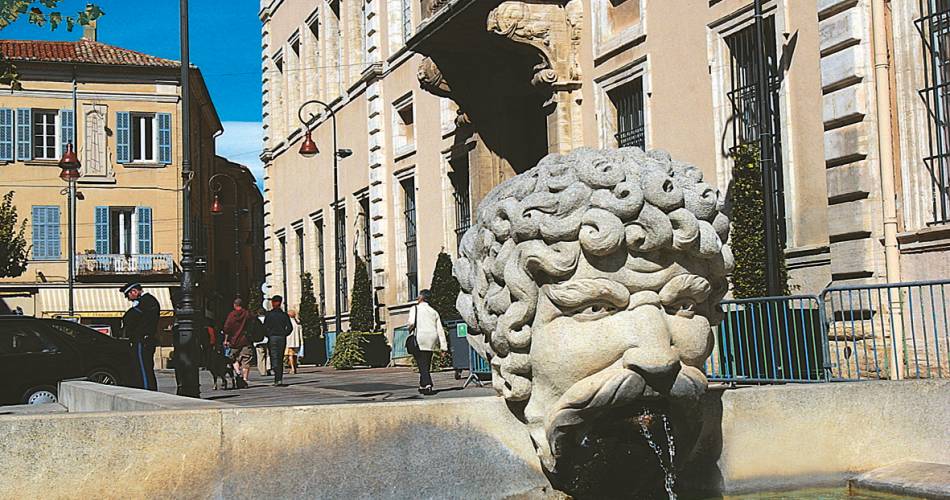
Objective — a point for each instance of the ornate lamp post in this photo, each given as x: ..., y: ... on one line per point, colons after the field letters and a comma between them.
x: 186, y: 352
x: 308, y: 148
x: 217, y: 209
x: 69, y: 165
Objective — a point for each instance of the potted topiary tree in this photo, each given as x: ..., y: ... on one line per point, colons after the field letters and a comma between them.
x: 363, y: 334
x: 445, y: 291
x: 311, y: 323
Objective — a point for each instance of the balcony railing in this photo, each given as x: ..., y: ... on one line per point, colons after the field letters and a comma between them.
x: 117, y: 264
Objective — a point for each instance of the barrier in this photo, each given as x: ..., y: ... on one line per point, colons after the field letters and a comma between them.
x: 477, y: 366
x: 400, y: 333
x: 330, y: 338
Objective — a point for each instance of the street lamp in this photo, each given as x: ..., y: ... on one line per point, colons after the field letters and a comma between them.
x: 69, y: 171
x: 217, y: 208
x: 308, y: 149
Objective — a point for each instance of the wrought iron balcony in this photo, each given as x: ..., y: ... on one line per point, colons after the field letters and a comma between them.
x: 118, y: 264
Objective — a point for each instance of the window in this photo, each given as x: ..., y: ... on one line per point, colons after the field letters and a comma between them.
x: 743, y: 96
x: 44, y: 135
x: 406, y: 20
x: 6, y: 134
x: 46, y: 231
x: 123, y: 230
x: 300, y: 256
x: 463, y: 204
x: 22, y: 338
x: 631, y: 119
x: 321, y: 270
x: 143, y: 137
x: 282, y: 241
x: 934, y: 26
x: 403, y: 125
x: 367, y: 239
x: 412, y: 257
x: 341, y: 282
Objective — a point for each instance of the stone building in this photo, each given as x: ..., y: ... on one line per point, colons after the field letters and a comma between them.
x: 440, y: 100
x: 125, y: 123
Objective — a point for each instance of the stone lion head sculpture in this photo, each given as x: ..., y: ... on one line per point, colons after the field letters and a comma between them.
x: 591, y: 282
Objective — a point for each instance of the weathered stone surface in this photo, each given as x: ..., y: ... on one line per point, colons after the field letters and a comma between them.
x: 845, y: 66
x: 562, y: 260
x: 37, y: 409
x: 854, y: 257
x: 83, y: 396
x: 846, y: 144
x: 851, y: 219
x: 825, y: 6
x: 846, y: 105
x: 919, y: 479
x: 840, y: 30
x: 850, y: 181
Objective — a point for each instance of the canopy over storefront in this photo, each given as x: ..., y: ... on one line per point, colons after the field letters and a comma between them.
x: 96, y: 302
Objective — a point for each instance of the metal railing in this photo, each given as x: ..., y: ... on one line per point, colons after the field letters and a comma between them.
x: 399, y: 351
x: 330, y: 339
x: 99, y: 264
x: 889, y: 331
x: 770, y: 339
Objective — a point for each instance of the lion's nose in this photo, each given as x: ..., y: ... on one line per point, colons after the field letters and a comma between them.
x: 653, y: 358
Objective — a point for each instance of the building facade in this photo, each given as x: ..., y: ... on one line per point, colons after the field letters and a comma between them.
x: 122, y: 111
x: 440, y: 100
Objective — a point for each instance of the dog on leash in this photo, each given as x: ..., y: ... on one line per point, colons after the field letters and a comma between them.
x: 222, y: 368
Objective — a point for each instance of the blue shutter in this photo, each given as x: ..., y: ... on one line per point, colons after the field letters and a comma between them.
x: 122, y: 137
x: 67, y: 130
x: 164, y: 137
x: 6, y: 134
x: 46, y: 243
x: 102, y: 230
x: 145, y: 229
x: 24, y: 134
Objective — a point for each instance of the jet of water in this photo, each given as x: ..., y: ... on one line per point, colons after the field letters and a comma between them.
x: 646, y: 420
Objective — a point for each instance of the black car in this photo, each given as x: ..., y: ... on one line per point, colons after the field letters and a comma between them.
x: 36, y: 354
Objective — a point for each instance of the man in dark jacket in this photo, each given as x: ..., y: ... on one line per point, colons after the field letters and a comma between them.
x: 140, y: 324
x: 277, y: 326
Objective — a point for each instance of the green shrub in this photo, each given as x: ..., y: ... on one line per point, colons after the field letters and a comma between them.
x: 361, y: 300
x: 750, y: 277
x: 309, y: 314
x: 445, y: 289
x: 348, y: 351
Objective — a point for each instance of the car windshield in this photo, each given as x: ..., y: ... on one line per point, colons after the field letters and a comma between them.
x: 79, y: 333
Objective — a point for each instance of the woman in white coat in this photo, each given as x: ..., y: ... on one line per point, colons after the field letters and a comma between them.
x: 294, y: 342
x: 426, y: 324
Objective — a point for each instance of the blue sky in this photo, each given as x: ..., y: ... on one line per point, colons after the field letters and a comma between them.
x: 225, y: 44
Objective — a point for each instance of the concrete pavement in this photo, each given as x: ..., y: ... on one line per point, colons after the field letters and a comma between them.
x: 326, y: 385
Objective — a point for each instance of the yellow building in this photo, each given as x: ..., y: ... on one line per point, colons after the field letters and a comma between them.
x: 122, y: 110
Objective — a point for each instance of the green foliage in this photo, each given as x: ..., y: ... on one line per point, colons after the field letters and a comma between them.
x: 750, y: 279
x: 38, y: 12
x: 13, y: 247
x: 309, y: 313
x: 255, y: 302
x: 445, y: 289
x: 361, y: 300
x: 348, y: 351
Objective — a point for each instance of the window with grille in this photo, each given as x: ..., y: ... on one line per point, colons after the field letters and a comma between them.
x: 412, y: 257
x: 743, y: 95
x: 406, y: 20
x: 342, y: 287
x: 283, y: 263
x: 321, y: 270
x: 463, y: 204
x: 301, y: 269
x: 934, y: 27
x: 631, y: 117
x: 367, y: 239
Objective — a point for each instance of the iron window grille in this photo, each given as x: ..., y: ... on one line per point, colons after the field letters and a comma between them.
x: 342, y: 286
x: 321, y: 269
x: 631, y: 114
x: 743, y: 96
x: 463, y: 205
x: 301, y: 262
x: 406, y: 20
x: 283, y: 262
x: 412, y: 257
x: 367, y: 238
x: 934, y: 28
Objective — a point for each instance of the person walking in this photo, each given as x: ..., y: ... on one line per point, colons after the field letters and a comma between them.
x: 263, y: 356
x: 294, y: 342
x: 235, y: 338
x: 426, y: 324
x: 140, y: 324
x: 277, y: 326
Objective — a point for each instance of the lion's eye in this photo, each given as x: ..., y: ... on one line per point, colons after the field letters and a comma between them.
x: 685, y: 308
x: 595, y: 311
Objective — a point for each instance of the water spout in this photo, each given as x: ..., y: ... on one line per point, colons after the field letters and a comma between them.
x: 646, y: 420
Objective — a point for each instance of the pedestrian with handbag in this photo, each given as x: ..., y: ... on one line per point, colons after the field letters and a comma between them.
x: 236, y: 339
x: 426, y: 335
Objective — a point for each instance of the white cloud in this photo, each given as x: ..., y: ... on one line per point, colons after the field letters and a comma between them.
x: 242, y: 143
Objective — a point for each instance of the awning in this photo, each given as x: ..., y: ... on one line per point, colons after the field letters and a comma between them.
x: 96, y: 302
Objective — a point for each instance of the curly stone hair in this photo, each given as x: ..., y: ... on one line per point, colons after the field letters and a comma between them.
x: 531, y: 230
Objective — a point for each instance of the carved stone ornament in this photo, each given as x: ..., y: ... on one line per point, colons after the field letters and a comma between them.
x: 431, y: 80
x: 591, y: 284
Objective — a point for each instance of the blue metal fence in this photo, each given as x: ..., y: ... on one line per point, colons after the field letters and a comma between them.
x: 330, y: 339
x: 770, y: 339
x: 399, y: 344
x: 478, y: 368
x: 889, y: 331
